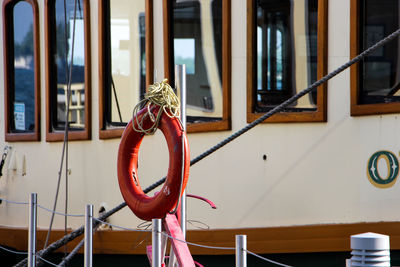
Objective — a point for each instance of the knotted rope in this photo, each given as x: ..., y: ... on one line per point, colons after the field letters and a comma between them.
x: 160, y: 94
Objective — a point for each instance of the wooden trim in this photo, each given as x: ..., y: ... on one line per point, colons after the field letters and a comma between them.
x: 102, y: 69
x: 357, y: 109
x: 322, y: 58
x: 8, y: 44
x: 250, y: 57
x: 354, y: 40
x: 291, y: 239
x: 51, y: 135
x: 226, y: 67
x: 320, y: 115
x: 225, y: 122
x: 354, y: 69
x: 105, y: 133
x: 198, y: 127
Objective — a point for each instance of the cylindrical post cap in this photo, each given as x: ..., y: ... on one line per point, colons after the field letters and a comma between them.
x: 370, y: 241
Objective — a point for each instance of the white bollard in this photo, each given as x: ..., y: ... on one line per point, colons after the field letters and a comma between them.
x: 156, y: 243
x: 241, y: 250
x: 370, y: 249
x: 88, y: 257
x: 32, y: 230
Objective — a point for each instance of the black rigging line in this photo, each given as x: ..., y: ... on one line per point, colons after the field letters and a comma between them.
x: 116, y: 99
x: 65, y: 144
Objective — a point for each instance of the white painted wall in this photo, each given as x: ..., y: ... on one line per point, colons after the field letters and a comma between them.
x: 315, y: 172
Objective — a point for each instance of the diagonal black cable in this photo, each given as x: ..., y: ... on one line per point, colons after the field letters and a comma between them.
x: 232, y: 137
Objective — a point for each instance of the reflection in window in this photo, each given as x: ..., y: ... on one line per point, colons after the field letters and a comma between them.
x: 126, y: 64
x: 22, y: 98
x: 197, y: 33
x: 184, y: 52
x: 286, y: 52
x: 379, y: 72
x: 62, y: 29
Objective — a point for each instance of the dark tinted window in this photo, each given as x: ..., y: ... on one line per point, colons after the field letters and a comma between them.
x: 68, y: 38
x: 22, y: 98
x: 380, y: 71
x: 197, y: 43
x: 286, y: 53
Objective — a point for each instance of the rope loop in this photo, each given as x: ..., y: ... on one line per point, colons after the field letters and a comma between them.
x: 160, y: 94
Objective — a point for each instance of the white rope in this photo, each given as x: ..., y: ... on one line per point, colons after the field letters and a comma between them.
x: 42, y: 207
x: 26, y: 253
x: 60, y: 213
x: 14, y: 202
x: 183, y: 241
x: 134, y: 230
x: 13, y: 251
x: 198, y: 245
x: 46, y: 261
x: 226, y: 248
x: 192, y: 222
x: 268, y: 260
x: 137, y: 230
x: 120, y: 227
x: 194, y: 244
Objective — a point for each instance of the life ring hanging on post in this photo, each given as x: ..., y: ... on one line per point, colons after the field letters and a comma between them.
x: 146, y: 207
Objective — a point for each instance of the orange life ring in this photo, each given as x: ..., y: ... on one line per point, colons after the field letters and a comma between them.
x: 144, y: 206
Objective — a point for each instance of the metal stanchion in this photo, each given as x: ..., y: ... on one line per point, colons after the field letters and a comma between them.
x: 156, y: 243
x: 241, y: 253
x: 180, y: 82
x: 88, y: 257
x: 32, y: 230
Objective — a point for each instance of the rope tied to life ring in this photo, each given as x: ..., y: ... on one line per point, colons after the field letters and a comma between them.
x: 159, y: 94
x: 159, y: 110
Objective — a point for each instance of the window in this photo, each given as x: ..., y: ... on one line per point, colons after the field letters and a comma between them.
x: 375, y: 81
x: 126, y: 60
x: 197, y: 34
x: 21, y: 70
x: 287, y: 52
x: 67, y: 35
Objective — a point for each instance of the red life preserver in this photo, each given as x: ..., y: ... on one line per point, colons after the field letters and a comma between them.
x: 146, y: 207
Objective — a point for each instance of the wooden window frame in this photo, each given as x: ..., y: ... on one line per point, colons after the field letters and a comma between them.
x: 105, y: 133
x: 320, y: 115
x: 357, y: 109
x: 51, y: 135
x: 8, y: 44
x: 225, y: 122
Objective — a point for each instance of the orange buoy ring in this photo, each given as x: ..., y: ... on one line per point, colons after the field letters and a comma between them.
x: 144, y: 206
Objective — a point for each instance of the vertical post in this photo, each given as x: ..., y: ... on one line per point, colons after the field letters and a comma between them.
x: 156, y: 243
x: 32, y: 230
x: 241, y: 253
x: 88, y: 257
x: 180, y: 82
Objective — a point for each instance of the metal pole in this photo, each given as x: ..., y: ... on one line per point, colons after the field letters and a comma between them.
x: 32, y: 230
x: 156, y: 243
x: 180, y: 81
x: 88, y: 257
x: 241, y: 253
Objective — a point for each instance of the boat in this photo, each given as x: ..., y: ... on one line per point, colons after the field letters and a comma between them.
x: 297, y: 184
